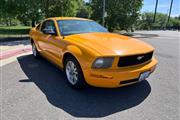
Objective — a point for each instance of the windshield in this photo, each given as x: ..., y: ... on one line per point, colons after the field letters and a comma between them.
x: 68, y: 27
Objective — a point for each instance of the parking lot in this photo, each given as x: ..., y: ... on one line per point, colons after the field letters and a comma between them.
x: 34, y: 89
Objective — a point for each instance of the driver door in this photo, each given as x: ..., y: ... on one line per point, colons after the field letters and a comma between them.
x: 51, y: 41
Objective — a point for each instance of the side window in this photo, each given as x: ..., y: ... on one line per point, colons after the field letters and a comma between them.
x: 43, y: 26
x: 49, y: 24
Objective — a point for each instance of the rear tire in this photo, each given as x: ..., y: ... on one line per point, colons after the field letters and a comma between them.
x: 74, y: 73
x: 35, y: 51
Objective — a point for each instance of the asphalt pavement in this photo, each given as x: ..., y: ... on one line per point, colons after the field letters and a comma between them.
x: 34, y: 89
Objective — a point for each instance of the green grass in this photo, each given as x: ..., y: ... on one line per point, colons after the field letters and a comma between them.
x: 14, y: 31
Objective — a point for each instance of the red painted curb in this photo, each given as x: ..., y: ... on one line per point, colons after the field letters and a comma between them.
x: 11, y: 53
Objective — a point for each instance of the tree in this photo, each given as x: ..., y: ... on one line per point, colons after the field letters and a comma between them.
x: 146, y: 21
x: 6, y: 11
x: 29, y: 10
x: 97, y: 7
x: 85, y: 11
x: 175, y: 23
x: 37, y: 9
x: 34, y: 10
x: 121, y: 14
x: 52, y: 8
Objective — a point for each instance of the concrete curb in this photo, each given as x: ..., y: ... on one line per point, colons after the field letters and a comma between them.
x: 8, y: 39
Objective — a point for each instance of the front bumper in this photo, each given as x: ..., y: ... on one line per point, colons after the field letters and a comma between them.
x: 111, y: 78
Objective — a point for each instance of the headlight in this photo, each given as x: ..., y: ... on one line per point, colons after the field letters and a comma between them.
x: 104, y: 62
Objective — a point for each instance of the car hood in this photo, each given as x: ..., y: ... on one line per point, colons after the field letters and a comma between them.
x: 108, y: 44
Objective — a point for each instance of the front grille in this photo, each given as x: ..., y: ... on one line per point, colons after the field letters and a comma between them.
x: 134, y: 59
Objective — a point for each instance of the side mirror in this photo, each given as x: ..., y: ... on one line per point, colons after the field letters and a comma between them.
x: 49, y: 31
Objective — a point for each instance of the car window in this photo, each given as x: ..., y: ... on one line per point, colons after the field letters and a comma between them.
x: 68, y: 27
x: 49, y: 24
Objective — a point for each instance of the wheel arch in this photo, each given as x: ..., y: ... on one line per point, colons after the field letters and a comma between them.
x: 69, y: 54
x: 66, y: 55
x: 72, y: 51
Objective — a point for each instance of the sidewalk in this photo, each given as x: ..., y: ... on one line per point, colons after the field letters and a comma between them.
x: 13, y: 48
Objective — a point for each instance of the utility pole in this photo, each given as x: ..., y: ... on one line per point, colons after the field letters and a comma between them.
x: 169, y: 13
x: 61, y: 8
x: 154, y: 19
x: 103, y: 17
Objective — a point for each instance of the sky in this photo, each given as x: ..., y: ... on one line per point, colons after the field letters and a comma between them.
x: 163, y: 6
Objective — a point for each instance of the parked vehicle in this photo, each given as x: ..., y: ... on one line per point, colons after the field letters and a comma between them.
x: 88, y: 53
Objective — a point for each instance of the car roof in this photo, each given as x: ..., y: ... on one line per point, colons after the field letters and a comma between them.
x: 68, y: 18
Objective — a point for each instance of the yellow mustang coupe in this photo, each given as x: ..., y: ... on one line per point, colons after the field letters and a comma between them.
x: 88, y: 53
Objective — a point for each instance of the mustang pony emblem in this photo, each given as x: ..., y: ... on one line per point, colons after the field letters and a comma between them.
x: 140, y: 57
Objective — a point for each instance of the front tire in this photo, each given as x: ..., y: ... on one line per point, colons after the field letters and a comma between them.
x: 74, y: 73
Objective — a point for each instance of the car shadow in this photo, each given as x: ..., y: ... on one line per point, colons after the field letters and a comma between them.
x: 90, y: 102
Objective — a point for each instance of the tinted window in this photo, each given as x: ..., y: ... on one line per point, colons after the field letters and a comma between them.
x: 48, y: 25
x: 68, y: 27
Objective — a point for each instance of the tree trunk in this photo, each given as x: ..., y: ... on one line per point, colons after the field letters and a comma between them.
x: 33, y: 23
x: 7, y: 22
x: 10, y: 22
